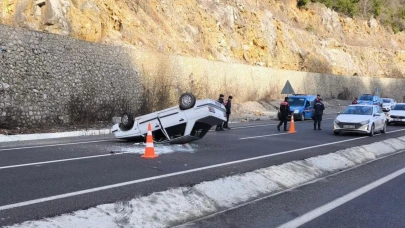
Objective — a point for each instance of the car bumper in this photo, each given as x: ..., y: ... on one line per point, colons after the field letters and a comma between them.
x: 365, y: 129
x: 396, y: 120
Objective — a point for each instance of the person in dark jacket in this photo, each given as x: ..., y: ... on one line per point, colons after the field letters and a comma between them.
x: 228, y: 106
x: 284, y: 111
x: 220, y: 100
x: 355, y: 101
x: 318, y: 113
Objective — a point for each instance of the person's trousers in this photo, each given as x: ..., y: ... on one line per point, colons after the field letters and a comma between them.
x: 227, y: 120
x: 283, y: 120
x: 317, y: 121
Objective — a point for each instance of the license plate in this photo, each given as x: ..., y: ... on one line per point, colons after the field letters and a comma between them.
x: 348, y: 126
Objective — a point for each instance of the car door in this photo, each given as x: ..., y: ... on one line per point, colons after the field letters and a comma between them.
x: 308, y: 109
x: 173, y: 122
x: 383, y: 117
x: 376, y: 118
x: 380, y: 117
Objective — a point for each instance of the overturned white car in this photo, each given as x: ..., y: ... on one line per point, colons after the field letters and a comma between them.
x: 190, y: 121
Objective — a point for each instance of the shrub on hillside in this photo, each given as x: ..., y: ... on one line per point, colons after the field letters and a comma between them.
x: 390, y: 13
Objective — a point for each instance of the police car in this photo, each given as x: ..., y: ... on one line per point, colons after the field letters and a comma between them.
x: 190, y: 121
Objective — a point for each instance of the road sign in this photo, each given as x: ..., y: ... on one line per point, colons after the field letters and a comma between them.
x: 287, y: 89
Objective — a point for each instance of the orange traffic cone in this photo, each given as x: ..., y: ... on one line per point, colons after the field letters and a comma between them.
x: 292, y: 125
x: 149, y: 150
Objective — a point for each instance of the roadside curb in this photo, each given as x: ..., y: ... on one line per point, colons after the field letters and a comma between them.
x: 25, y: 137
x: 184, y: 204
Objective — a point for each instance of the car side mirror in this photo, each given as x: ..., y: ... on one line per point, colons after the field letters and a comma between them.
x: 377, y: 114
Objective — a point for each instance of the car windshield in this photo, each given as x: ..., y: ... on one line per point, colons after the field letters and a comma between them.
x: 359, y: 110
x: 366, y: 98
x: 399, y: 107
x: 386, y: 100
x: 296, y: 101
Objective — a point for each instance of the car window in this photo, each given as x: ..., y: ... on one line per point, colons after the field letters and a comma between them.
x: 399, y: 107
x: 366, y: 97
x: 295, y: 101
x: 379, y: 109
x: 307, y: 104
x: 386, y: 100
x: 359, y: 110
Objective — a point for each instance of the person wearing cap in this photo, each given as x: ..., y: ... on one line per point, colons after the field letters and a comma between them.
x: 355, y: 101
x: 318, y: 107
x: 284, y: 111
x: 228, y: 107
x: 220, y: 100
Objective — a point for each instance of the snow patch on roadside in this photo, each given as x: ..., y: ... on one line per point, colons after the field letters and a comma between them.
x: 178, y: 205
x: 357, y: 155
x: 12, y: 138
x: 330, y: 162
x: 379, y: 148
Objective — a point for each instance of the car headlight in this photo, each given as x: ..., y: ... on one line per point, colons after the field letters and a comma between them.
x: 296, y: 111
x: 365, y: 122
x: 337, y: 122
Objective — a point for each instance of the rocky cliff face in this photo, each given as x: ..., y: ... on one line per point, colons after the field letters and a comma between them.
x: 270, y: 33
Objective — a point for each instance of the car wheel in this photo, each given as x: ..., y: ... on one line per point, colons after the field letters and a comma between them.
x: 372, y: 130
x: 384, y: 130
x: 187, y: 101
x: 127, y: 122
x: 336, y: 132
x: 303, y: 116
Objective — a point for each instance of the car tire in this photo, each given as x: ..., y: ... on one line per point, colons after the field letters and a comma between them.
x: 336, y: 132
x: 371, y: 134
x: 127, y: 122
x: 384, y: 130
x: 187, y: 101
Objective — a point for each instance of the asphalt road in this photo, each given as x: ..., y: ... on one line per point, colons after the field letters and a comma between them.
x: 325, y: 203
x: 51, y: 177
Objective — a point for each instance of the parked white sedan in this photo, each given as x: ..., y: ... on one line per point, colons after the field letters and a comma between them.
x: 365, y: 119
x: 397, y: 114
x: 388, y: 104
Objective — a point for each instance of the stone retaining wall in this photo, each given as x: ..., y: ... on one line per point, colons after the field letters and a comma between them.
x: 42, y: 75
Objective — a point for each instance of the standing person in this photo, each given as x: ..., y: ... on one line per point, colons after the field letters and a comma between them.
x: 284, y: 111
x: 318, y: 107
x: 355, y: 101
x: 220, y: 100
x: 228, y: 107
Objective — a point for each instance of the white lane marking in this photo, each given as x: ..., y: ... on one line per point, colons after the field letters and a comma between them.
x: 91, y: 190
x: 248, y: 159
x: 307, y: 217
x: 287, y: 190
x: 272, y: 124
x: 55, y: 161
x: 76, y: 143
x: 52, y: 145
x: 261, y: 136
